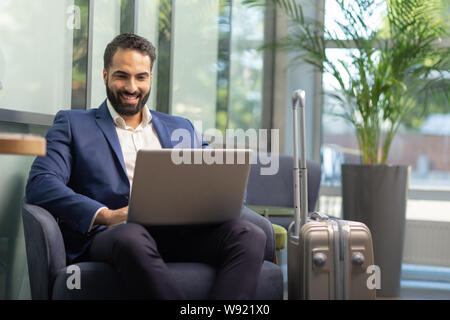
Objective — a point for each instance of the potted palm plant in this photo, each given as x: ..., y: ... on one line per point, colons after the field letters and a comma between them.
x: 388, y: 72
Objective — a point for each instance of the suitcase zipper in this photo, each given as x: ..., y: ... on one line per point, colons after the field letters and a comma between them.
x: 340, y: 267
x: 343, y: 238
x: 337, y: 260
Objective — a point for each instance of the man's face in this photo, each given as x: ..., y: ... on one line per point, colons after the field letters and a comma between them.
x: 128, y: 81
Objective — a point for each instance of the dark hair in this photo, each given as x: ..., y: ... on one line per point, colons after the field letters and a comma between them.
x: 129, y: 41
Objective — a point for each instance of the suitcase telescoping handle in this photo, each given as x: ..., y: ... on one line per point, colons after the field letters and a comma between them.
x: 300, y: 174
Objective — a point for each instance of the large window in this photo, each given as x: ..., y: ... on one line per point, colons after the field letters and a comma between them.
x: 423, y: 142
x: 209, y: 68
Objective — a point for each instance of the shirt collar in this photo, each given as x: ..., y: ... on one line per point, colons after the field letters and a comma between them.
x: 120, y: 122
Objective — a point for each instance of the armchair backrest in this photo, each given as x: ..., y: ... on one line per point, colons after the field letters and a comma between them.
x: 278, y: 190
x: 45, y: 249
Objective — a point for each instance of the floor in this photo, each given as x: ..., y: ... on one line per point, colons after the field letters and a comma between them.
x: 418, y: 282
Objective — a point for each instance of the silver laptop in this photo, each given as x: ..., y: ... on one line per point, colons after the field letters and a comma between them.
x: 188, y: 186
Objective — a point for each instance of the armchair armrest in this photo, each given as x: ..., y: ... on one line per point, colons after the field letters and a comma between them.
x: 266, y: 226
x: 45, y: 249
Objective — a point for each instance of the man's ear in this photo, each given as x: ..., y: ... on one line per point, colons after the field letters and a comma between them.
x: 105, y: 75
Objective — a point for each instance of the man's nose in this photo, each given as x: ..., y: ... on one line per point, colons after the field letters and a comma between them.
x: 131, y: 86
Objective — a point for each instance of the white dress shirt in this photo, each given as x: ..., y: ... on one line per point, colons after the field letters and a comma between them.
x: 132, y: 140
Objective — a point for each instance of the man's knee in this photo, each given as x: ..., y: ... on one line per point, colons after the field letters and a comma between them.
x: 132, y: 239
x: 249, y: 236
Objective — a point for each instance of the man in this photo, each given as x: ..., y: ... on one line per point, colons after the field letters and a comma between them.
x: 85, y: 178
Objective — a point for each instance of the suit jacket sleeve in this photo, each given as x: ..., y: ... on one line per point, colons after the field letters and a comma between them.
x: 50, y: 175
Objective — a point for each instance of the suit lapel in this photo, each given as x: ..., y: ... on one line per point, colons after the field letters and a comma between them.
x: 162, y: 131
x: 106, y: 124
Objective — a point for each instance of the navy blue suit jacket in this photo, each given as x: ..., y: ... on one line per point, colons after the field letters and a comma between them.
x: 84, y: 170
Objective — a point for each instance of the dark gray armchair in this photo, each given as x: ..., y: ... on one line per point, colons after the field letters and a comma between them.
x: 48, y: 271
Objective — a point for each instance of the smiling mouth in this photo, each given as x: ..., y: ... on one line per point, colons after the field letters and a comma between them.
x: 129, y: 98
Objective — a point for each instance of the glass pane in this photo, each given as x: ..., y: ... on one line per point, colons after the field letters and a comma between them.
x: 194, y: 61
x: 246, y: 76
x: 106, y: 27
x: 426, y: 147
x: 127, y: 9
x: 219, y: 88
x: 36, y: 44
x: 147, y: 27
x: 223, y: 64
x: 164, y: 56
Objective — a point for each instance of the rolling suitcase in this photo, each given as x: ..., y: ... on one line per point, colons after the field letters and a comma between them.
x: 327, y: 258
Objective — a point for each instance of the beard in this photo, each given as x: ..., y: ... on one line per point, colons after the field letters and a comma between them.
x: 126, y: 109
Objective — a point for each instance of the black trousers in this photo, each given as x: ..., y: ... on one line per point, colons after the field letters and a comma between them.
x: 139, y: 254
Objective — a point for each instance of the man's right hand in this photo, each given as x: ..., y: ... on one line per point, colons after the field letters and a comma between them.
x: 109, y: 217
